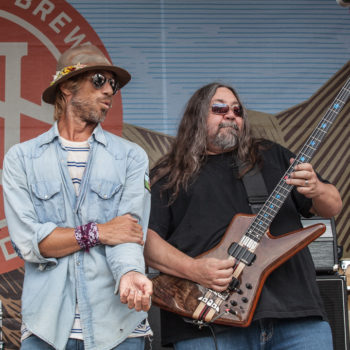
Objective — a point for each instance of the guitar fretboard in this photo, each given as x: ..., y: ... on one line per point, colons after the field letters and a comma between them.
x: 278, y: 196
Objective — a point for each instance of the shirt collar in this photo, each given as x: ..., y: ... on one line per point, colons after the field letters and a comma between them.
x: 99, y: 135
x: 53, y: 133
x: 49, y: 136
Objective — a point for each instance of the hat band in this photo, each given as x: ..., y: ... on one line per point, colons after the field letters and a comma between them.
x: 64, y: 71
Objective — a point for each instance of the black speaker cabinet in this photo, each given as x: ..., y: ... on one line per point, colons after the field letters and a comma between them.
x: 333, y: 291
x: 323, y: 250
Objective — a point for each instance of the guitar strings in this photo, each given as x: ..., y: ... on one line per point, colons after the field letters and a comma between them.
x: 268, y: 211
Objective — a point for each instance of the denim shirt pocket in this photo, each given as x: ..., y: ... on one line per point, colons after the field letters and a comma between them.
x: 102, y: 200
x: 48, y: 201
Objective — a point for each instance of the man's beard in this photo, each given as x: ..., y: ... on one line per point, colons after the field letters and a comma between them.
x: 87, y: 112
x: 228, y: 139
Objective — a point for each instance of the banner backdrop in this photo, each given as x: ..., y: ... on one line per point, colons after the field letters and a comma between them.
x: 171, y: 48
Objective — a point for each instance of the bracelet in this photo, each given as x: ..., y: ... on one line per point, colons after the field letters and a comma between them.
x: 87, y: 235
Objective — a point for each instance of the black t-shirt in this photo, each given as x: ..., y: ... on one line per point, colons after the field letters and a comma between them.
x: 196, y: 221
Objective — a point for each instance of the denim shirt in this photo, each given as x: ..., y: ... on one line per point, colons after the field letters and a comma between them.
x: 38, y: 197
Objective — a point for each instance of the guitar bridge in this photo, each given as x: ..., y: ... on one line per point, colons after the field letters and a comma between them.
x: 210, y: 303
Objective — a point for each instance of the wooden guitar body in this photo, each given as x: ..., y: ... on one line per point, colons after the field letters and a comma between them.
x: 182, y: 296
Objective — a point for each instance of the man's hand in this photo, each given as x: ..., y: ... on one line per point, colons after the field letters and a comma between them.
x: 326, y: 201
x: 305, y: 180
x: 121, y: 229
x: 135, y: 290
x: 208, y: 272
x: 213, y: 273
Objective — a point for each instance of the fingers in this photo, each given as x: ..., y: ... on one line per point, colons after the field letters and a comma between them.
x: 141, y: 301
x: 133, y: 300
x: 213, y: 273
x: 124, y: 295
x: 305, y: 180
x: 302, y: 176
x: 136, y: 299
x: 138, y: 293
x: 134, y: 229
x: 121, y: 229
x: 221, y: 284
x: 223, y: 275
x: 145, y: 302
x: 221, y: 268
x: 225, y: 264
x: 134, y: 234
x: 130, y: 217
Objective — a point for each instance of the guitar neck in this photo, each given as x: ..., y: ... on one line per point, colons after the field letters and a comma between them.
x: 278, y: 196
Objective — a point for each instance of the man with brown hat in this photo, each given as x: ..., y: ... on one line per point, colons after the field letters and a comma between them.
x: 77, y: 203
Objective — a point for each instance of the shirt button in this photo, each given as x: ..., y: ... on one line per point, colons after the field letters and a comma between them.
x: 78, y: 263
x: 105, y: 196
x: 46, y: 196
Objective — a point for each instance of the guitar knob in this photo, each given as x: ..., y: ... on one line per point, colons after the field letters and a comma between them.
x: 245, y: 300
x: 233, y: 312
x: 233, y: 303
x: 233, y: 284
x: 248, y: 286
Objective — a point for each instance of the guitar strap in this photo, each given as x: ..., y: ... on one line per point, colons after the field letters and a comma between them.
x: 256, y: 189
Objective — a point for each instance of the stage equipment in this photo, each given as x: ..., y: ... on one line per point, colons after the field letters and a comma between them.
x: 333, y: 289
x: 324, y: 249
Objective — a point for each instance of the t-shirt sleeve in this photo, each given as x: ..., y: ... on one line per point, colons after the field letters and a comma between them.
x: 160, y: 210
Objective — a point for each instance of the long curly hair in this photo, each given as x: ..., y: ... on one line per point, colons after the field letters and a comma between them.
x: 189, y: 148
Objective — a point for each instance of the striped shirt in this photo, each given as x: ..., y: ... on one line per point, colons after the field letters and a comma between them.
x: 77, y: 156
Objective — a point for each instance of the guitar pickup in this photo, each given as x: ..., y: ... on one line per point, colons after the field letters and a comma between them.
x: 241, y: 253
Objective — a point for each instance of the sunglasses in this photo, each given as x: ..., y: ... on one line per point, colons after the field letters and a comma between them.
x: 223, y: 108
x: 98, y: 80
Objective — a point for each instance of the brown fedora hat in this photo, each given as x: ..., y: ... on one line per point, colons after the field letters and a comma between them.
x: 78, y: 60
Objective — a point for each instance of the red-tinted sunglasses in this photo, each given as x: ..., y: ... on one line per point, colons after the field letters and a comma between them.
x: 98, y: 80
x: 223, y: 108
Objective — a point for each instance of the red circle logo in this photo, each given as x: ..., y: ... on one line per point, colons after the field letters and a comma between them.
x: 33, y: 34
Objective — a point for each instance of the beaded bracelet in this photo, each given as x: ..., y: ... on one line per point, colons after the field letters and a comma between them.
x: 87, y: 235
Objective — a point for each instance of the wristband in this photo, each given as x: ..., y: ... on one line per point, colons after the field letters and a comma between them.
x: 87, y: 235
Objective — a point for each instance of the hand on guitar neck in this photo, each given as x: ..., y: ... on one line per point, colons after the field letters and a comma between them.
x: 326, y: 201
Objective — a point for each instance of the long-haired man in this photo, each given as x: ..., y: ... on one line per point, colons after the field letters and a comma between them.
x: 197, y: 189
